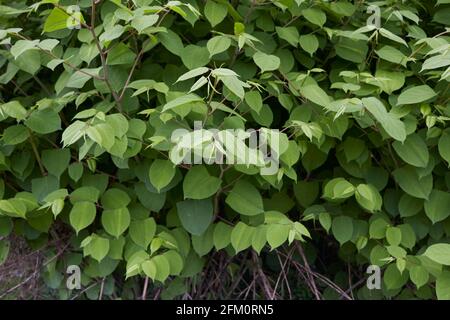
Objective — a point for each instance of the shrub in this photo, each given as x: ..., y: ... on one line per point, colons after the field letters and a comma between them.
x: 93, y: 91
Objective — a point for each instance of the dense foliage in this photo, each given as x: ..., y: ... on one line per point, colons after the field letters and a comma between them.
x: 359, y: 90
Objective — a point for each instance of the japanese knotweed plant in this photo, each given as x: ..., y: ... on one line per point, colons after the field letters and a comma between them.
x: 357, y: 93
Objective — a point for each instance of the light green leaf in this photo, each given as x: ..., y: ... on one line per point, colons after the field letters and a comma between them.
x: 56, y: 161
x: 368, y: 197
x: 290, y: 34
x: 316, y: 94
x: 199, y: 184
x: 266, y: 62
x: 15, y: 134
x: 444, y: 146
x: 277, y: 234
x: 413, y: 151
x: 188, y: 98
x: 82, y: 215
x: 222, y: 235
x: 315, y: 16
x: 409, y: 181
x: 193, y: 73
x: 254, y: 100
x: 439, y: 252
x: 115, y: 199
x: 241, y: 236
x: 161, y: 173
x: 309, y: 43
x: 116, y: 221
x: 218, y: 45
x: 393, y: 126
x: 215, y: 12
x: 437, y: 207
x: 44, y: 121
x: 337, y: 189
x: 142, y: 231
x: 245, y: 199
x: 443, y: 286
x: 140, y: 23
x: 416, y: 95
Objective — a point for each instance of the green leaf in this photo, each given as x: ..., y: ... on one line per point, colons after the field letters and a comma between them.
x: 241, y: 237
x: 82, y: 215
x: 316, y: 94
x: 410, y: 182
x: 290, y: 34
x: 195, y: 56
x: 394, y: 236
x: 140, y: 23
x: 277, y: 234
x: 56, y: 161
x: 234, y: 85
x: 439, y: 252
x: 4, y: 250
x: 218, y: 45
x: 14, y: 109
x: 393, y: 126
x: 44, y: 121
x: 175, y: 260
x: 195, y: 215
x: 215, y: 12
x: 368, y: 197
x: 387, y: 34
x: 266, y: 62
x: 443, y: 286
x: 157, y: 268
x: 444, y: 146
x: 115, y: 199
x: 79, y: 78
x: 161, y: 173
x: 315, y: 16
x: 245, y: 199
x: 222, y: 235
x: 393, y: 55
x: 253, y: 100
x: 352, y: 50
x: 142, y: 231
x: 204, y: 243
x: 59, y: 19
x: 199, y: 184
x: 416, y: 95
x: 413, y: 151
x: 120, y: 55
x: 180, y: 101
x: 22, y: 46
x: 102, y: 134
x: 13, y: 208
x: 73, y: 133
x: 419, y: 276
x: 309, y: 43
x: 437, y: 207
x: 116, y: 221
x: 76, y: 171
x: 15, y: 134
x: 337, y: 189
x: 90, y: 194
x: 95, y: 246
x: 193, y: 73
x: 342, y: 229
